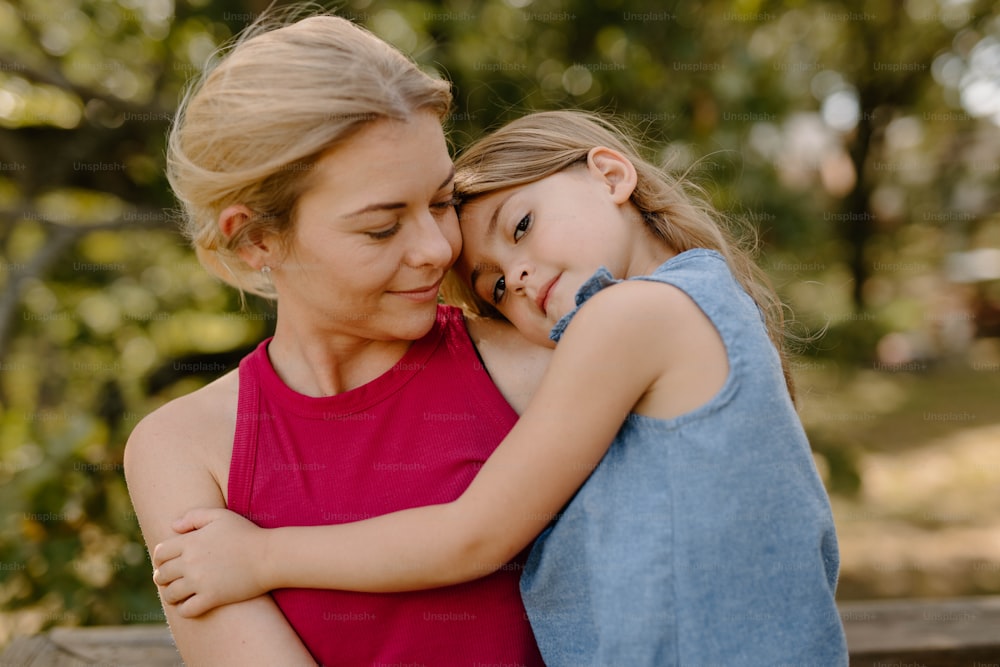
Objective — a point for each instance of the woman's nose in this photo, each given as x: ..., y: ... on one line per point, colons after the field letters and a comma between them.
x: 431, y: 246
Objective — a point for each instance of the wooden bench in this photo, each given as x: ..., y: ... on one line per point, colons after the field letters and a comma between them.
x: 887, y: 633
x: 124, y: 646
x: 923, y: 633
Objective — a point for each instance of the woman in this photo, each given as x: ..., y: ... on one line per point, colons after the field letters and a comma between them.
x: 312, y: 167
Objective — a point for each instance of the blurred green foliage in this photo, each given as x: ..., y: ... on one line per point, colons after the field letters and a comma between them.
x: 859, y: 141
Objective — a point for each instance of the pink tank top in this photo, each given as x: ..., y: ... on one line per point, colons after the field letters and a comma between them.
x: 415, y: 435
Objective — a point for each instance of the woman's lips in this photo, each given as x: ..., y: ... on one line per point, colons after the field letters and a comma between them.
x: 420, y: 294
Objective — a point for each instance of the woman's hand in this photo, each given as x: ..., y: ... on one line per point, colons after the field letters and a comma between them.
x: 216, y: 560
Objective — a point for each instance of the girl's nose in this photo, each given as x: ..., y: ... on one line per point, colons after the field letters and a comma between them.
x: 518, y: 278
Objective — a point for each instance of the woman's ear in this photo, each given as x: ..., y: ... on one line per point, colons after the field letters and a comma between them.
x: 256, y: 251
x: 614, y: 169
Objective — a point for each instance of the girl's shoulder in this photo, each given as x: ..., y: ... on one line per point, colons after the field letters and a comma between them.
x: 637, y: 308
x: 655, y: 329
x: 672, y: 281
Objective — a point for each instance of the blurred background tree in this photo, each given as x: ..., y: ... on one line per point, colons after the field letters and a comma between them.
x: 859, y: 141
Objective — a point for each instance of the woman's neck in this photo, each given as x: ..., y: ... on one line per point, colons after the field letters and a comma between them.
x: 317, y: 361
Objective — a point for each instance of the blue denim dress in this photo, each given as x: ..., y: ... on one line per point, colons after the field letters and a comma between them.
x: 706, y: 539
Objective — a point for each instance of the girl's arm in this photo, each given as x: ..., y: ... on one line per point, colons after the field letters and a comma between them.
x: 169, y: 473
x: 616, y: 348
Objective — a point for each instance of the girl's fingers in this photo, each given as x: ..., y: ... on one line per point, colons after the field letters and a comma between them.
x: 195, y: 519
x: 194, y: 606
x: 166, y: 574
x: 167, y: 550
x: 176, y: 592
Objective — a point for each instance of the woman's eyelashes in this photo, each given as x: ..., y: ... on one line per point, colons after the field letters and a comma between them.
x: 445, y: 204
x: 385, y: 233
x: 441, y: 208
x: 438, y: 209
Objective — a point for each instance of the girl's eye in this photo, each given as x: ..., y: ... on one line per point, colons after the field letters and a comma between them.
x: 385, y: 233
x: 498, y: 290
x: 522, y: 227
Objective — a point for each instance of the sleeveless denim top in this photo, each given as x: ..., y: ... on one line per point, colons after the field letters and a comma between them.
x: 706, y: 539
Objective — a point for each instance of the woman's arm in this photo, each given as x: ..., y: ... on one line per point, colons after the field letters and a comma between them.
x: 615, y: 349
x: 168, y: 473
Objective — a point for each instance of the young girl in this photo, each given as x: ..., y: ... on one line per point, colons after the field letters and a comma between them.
x: 701, y: 535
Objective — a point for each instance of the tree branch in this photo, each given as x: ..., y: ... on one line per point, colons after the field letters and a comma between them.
x: 136, y: 217
x: 61, y: 237
x: 56, y: 78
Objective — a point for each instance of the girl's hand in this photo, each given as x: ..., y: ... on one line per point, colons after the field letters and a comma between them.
x: 216, y: 560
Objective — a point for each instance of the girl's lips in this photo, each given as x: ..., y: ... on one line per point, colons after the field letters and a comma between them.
x: 543, y: 296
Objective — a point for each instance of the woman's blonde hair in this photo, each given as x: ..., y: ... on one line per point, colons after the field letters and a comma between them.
x: 250, y: 130
x: 674, y: 210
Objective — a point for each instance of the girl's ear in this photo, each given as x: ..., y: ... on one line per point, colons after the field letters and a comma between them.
x: 256, y: 250
x: 615, y: 170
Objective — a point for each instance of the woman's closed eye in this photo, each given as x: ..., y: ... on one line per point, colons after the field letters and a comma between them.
x: 444, y: 205
x: 438, y: 209
x: 384, y: 233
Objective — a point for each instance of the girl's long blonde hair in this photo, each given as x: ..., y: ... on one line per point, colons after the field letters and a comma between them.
x: 675, y: 211
x: 252, y: 128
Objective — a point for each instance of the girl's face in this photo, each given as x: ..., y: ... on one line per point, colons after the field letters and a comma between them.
x: 374, y: 234
x: 529, y: 248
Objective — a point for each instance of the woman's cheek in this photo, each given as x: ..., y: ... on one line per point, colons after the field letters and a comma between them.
x: 453, y: 233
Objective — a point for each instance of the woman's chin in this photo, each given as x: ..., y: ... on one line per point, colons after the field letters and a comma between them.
x: 416, y: 322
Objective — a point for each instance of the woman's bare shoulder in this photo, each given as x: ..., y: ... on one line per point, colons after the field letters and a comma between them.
x: 193, y: 432
x: 176, y: 460
x: 203, y: 412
